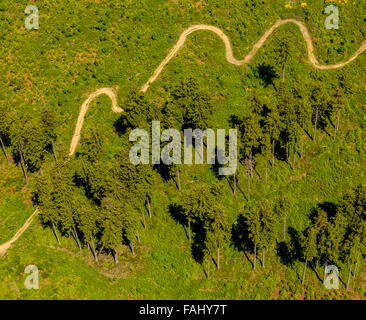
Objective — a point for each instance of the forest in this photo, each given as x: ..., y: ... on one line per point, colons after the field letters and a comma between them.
x: 295, y: 205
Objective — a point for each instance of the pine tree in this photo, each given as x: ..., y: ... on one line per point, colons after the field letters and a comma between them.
x: 283, y: 54
x: 29, y: 147
x: 218, y: 229
x: 49, y: 125
x: 319, y: 101
x: 193, y: 103
x: 45, y: 201
x: 130, y: 225
x: 268, y: 221
x: 282, y: 207
x: 91, y: 145
x: 254, y: 228
x: 309, y: 248
x: 111, y: 225
x: 86, y: 216
x: 273, y: 127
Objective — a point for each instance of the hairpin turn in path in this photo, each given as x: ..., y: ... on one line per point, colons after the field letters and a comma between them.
x: 112, y: 92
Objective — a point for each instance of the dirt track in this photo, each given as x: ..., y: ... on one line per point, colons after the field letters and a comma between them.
x: 229, y: 51
x: 112, y: 93
x: 5, y: 246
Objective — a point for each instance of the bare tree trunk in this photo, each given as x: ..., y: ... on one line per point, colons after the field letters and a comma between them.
x: 138, y: 236
x: 178, y: 178
x: 22, y: 164
x: 283, y: 73
x: 355, y: 270
x: 93, y: 248
x: 255, y: 255
x: 76, y: 237
x: 53, y: 150
x: 334, y: 132
x: 303, y: 275
x: 317, y: 263
x: 148, y: 206
x: 265, y: 176
x: 234, y: 184
x: 114, y: 254
x: 3, y: 147
x: 336, y: 126
x: 208, y: 267
x: 251, y: 164
x: 55, y: 232
x: 302, y: 146
x: 325, y: 268
x: 248, y: 186
x: 132, y: 248
x: 143, y: 220
x: 238, y: 175
x: 273, y: 151
x: 316, y: 121
x: 189, y: 230
x: 218, y: 255
x: 349, y: 276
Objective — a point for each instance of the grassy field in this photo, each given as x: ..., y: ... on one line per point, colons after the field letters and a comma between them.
x: 84, y: 45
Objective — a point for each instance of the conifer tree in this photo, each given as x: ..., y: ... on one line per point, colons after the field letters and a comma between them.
x: 309, y: 248
x: 319, y: 101
x: 254, y: 228
x: 282, y: 208
x: 218, y: 229
x: 49, y: 124
x: 130, y: 225
x: 283, y: 54
x: 273, y: 128
x: 268, y: 227
x: 87, y: 219
x: 111, y: 225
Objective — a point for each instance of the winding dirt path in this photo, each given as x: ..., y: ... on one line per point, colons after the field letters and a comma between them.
x: 112, y: 92
x: 5, y: 246
x: 229, y: 50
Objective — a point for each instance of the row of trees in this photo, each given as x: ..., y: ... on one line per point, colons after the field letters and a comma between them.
x: 275, y: 130
x: 336, y: 235
x: 209, y: 218
x: 338, y: 238
x: 101, y: 205
x: 279, y: 129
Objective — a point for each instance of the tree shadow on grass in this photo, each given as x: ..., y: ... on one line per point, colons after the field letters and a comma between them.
x: 291, y: 250
x: 267, y: 74
x: 240, y: 236
x: 198, y: 232
x: 120, y: 125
